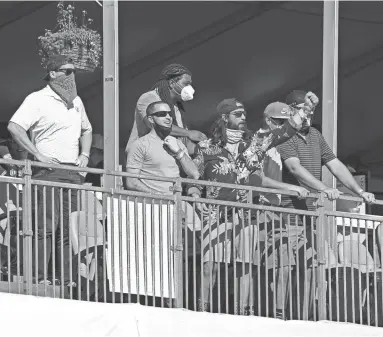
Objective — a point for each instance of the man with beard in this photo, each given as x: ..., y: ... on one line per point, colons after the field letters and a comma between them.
x: 233, y: 155
x: 158, y: 154
x: 303, y: 157
x: 56, y: 119
x: 174, y: 87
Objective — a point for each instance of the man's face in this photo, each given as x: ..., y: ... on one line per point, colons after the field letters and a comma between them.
x: 307, y: 123
x: 237, y: 120
x: 181, y: 82
x: 274, y: 123
x: 64, y: 70
x: 161, y: 116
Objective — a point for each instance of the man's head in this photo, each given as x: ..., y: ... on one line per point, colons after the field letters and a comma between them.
x: 174, y: 87
x: 178, y: 80
x: 159, y: 115
x: 233, y: 113
x: 276, y: 114
x: 61, y: 77
x: 59, y: 66
x: 296, y: 100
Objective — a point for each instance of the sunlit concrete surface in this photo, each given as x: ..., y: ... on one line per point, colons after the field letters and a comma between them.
x: 32, y: 316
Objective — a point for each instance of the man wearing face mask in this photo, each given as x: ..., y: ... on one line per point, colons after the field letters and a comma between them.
x: 303, y: 157
x: 233, y: 155
x: 56, y: 119
x: 158, y: 154
x: 174, y: 87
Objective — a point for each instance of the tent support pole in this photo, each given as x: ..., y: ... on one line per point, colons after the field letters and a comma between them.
x: 329, y: 122
x: 111, y: 89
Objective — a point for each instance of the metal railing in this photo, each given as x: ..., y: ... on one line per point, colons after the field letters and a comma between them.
x: 162, y: 250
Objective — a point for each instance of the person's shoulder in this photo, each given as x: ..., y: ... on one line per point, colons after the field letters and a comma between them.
x: 148, y: 97
x: 37, y: 95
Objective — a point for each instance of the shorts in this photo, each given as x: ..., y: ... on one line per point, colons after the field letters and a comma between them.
x: 230, y: 241
x: 290, y: 245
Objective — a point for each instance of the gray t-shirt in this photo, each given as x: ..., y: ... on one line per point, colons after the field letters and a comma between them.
x: 140, y: 129
x: 148, y: 154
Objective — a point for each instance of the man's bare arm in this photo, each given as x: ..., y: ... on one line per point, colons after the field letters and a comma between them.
x: 136, y: 184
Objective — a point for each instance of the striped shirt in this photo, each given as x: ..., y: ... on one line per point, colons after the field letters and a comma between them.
x: 313, y: 152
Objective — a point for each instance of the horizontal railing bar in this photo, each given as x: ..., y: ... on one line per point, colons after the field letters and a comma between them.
x: 102, y: 190
x: 244, y: 187
x: 12, y: 180
x: 250, y: 206
x: 354, y: 216
x: 173, y: 180
x: 12, y: 162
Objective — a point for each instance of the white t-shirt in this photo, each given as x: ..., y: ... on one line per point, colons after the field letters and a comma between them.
x: 140, y: 129
x: 54, y: 130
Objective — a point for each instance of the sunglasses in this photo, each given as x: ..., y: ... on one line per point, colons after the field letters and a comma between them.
x: 161, y: 113
x: 67, y: 71
x: 277, y: 121
x: 239, y: 113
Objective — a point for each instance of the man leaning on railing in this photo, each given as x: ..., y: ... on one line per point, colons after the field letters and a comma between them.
x: 303, y: 157
x: 233, y: 155
x: 56, y: 119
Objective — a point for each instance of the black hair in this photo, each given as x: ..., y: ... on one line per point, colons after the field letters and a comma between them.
x: 170, y: 73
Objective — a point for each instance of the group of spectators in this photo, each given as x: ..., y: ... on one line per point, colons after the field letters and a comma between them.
x: 287, y: 153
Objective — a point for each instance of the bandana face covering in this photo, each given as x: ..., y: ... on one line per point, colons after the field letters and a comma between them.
x: 234, y: 136
x: 65, y: 87
x: 162, y: 131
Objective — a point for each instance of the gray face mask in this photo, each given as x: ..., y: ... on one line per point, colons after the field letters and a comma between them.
x: 65, y: 87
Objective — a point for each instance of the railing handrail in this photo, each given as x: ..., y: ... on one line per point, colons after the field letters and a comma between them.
x: 166, y: 179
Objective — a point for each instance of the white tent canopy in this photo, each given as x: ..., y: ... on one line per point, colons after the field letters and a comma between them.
x: 255, y: 51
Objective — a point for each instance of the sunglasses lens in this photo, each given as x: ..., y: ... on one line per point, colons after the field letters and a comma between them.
x: 240, y: 113
x: 162, y: 113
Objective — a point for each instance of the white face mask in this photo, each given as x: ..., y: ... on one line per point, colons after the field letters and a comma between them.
x: 187, y: 92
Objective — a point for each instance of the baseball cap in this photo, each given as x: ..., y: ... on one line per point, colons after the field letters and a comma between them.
x: 278, y: 110
x: 296, y: 97
x: 229, y: 105
x: 55, y: 62
x: 97, y: 141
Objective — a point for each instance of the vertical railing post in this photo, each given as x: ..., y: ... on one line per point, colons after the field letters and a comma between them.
x: 27, y: 228
x: 177, y: 244
x: 321, y: 258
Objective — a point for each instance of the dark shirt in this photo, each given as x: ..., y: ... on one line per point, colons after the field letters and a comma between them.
x: 93, y: 178
x: 313, y: 152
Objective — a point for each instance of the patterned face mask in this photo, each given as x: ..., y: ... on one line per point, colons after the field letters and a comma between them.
x: 65, y: 87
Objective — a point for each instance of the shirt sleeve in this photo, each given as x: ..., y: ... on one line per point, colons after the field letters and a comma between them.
x: 136, y: 155
x: 288, y: 150
x: 326, y: 153
x: 28, y: 113
x: 86, y: 127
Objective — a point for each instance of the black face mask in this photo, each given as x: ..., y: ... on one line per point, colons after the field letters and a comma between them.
x: 162, y: 131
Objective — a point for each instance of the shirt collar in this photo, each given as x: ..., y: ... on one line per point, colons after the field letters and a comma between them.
x: 47, y: 91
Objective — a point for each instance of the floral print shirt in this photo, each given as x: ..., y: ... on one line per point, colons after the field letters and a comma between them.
x: 216, y: 163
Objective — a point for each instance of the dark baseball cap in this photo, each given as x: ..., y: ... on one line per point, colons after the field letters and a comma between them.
x: 229, y: 105
x: 55, y: 62
x: 296, y: 97
x: 278, y: 110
